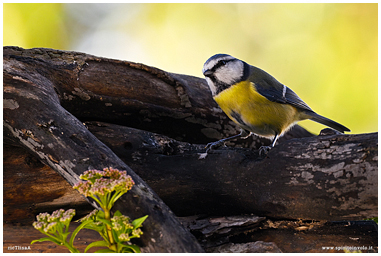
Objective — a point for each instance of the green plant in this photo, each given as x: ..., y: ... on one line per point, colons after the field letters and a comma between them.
x: 105, y: 187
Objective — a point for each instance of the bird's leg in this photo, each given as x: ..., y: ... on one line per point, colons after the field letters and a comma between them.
x: 243, y: 134
x: 265, y: 149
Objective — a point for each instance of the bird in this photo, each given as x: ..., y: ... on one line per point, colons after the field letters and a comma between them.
x: 257, y: 102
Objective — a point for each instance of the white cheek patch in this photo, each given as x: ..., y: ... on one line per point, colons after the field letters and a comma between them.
x: 230, y: 73
x: 212, y: 87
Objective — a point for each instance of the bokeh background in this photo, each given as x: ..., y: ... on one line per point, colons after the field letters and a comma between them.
x: 327, y: 53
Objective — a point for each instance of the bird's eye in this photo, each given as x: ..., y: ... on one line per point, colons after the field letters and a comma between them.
x: 220, y: 63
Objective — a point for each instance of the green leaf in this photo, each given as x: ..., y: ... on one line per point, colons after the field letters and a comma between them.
x: 115, y: 234
x: 130, y: 248
x: 107, y: 222
x: 97, y: 244
x: 100, y: 214
x: 104, y: 235
x: 46, y: 239
x: 138, y: 222
x: 83, y: 224
x: 126, y: 250
x: 95, y: 227
x: 118, y: 213
x: 105, y: 251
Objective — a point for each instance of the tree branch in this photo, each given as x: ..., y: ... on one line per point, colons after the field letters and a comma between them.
x: 34, y: 117
x: 337, y: 174
x: 158, y: 123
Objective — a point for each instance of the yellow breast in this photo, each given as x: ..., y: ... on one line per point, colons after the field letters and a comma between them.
x: 254, y: 112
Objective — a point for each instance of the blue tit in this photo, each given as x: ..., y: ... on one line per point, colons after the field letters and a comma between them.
x: 256, y: 101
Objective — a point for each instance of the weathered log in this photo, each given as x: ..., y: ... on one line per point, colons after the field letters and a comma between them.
x: 133, y: 95
x: 49, y: 93
x: 305, y: 237
x: 251, y: 247
x: 31, y: 187
x: 289, y: 236
x: 246, y: 234
x: 327, y: 177
x: 212, y: 232
x: 185, y: 194
x: 34, y: 118
x: 328, y: 237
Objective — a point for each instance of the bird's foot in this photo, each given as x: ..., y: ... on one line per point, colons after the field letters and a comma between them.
x: 264, y: 150
x: 215, y: 144
x: 209, y: 146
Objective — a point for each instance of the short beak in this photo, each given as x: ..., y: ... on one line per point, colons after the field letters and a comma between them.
x: 208, y: 73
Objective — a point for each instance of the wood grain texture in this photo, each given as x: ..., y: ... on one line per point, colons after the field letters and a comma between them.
x: 35, y: 119
x: 337, y: 174
x: 69, y: 112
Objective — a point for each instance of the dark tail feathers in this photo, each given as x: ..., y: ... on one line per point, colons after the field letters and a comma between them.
x: 328, y: 122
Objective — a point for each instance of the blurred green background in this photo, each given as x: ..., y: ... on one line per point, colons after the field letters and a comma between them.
x: 327, y: 53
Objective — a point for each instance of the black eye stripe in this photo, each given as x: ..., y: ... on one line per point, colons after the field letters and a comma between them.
x: 220, y: 64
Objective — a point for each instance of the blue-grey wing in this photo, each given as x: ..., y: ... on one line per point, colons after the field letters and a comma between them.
x: 269, y: 87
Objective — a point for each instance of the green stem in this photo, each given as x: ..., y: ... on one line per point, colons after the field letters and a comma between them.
x: 115, y: 197
x: 97, y: 200
x: 72, y: 249
x: 109, y: 231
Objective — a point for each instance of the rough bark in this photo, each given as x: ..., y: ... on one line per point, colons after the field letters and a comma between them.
x: 34, y: 118
x: 49, y: 94
x: 132, y: 95
x: 254, y: 234
x: 31, y: 187
x: 337, y: 174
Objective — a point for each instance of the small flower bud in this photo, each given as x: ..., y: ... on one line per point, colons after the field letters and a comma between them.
x: 124, y: 237
x: 137, y: 232
x: 51, y: 227
x: 38, y: 225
